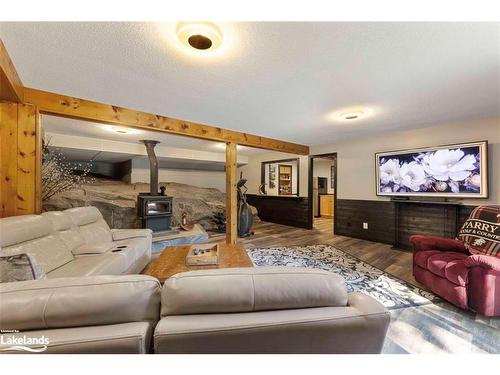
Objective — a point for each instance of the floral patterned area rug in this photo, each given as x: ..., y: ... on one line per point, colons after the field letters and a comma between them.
x: 359, y: 276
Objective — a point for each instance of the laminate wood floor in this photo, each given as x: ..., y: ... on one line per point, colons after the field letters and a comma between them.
x: 393, y: 261
x: 434, y: 328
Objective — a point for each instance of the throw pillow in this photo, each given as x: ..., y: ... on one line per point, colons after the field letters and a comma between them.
x: 19, y: 267
x: 481, y: 231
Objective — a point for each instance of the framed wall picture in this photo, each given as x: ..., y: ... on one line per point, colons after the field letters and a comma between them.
x: 452, y: 171
x: 332, y: 176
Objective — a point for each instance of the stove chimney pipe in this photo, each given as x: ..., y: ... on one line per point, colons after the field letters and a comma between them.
x: 153, y: 165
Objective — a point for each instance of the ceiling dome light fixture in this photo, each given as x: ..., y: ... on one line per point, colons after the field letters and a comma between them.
x: 358, y: 113
x: 202, y: 36
x: 351, y: 115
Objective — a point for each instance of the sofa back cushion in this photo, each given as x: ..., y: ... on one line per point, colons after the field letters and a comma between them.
x: 481, y: 231
x: 33, y: 235
x: 17, y: 229
x: 63, y: 225
x: 90, y: 224
x: 231, y: 290
x: 79, y: 301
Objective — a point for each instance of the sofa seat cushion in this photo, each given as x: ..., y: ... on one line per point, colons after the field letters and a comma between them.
x: 421, y: 257
x: 437, y: 263
x: 93, y: 248
x: 134, y: 249
x: 125, y: 338
x: 89, y: 265
x: 457, y: 272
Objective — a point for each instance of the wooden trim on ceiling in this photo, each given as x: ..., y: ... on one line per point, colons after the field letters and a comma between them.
x: 75, y: 108
x: 11, y: 87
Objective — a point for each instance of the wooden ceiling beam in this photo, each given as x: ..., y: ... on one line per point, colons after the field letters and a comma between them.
x: 11, y: 87
x: 75, y: 108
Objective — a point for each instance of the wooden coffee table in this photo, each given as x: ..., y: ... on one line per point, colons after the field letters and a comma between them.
x: 173, y: 260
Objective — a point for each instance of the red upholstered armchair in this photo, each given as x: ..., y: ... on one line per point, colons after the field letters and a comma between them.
x: 468, y: 281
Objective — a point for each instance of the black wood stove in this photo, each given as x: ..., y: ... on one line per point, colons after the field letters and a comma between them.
x: 154, y: 209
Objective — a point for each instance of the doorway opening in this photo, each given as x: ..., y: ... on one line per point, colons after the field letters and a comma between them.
x: 322, y: 191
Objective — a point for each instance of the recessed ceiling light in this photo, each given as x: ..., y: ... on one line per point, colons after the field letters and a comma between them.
x: 203, y: 36
x: 351, y: 115
x: 120, y: 130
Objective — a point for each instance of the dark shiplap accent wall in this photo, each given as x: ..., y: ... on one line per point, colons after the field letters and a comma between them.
x: 412, y: 218
x: 350, y: 215
x: 291, y: 211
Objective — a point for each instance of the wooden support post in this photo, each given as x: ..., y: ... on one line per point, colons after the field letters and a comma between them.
x: 231, y: 198
x: 19, y: 160
x: 26, y: 159
x: 8, y: 169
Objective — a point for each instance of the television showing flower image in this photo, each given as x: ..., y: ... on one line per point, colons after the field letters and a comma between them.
x: 458, y: 171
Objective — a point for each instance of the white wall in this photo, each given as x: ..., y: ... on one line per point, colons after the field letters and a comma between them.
x: 355, y: 158
x: 209, y: 179
x: 323, y: 168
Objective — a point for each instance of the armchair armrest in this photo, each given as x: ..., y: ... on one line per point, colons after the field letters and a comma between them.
x: 422, y: 243
x: 125, y: 234
x: 78, y: 301
x: 484, y: 261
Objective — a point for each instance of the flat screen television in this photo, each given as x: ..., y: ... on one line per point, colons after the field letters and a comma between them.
x: 458, y: 171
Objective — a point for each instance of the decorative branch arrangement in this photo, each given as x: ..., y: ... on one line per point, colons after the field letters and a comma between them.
x: 59, y: 175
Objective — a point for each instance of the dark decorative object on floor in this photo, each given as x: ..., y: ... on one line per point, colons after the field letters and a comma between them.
x: 220, y: 221
x: 245, y: 216
x: 185, y: 224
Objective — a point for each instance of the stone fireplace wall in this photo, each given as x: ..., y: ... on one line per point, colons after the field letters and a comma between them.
x: 117, y: 201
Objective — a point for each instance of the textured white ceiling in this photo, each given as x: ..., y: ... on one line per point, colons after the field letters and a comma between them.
x: 273, y: 79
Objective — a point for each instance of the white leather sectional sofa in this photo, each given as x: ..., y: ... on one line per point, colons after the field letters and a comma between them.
x: 234, y: 310
x: 92, y: 302
x: 76, y: 242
